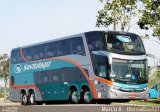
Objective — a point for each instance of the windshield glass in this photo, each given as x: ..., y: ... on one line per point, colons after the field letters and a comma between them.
x: 130, y: 71
x: 124, y: 44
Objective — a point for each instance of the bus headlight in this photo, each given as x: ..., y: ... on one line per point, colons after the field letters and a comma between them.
x: 115, y: 87
x: 145, y: 89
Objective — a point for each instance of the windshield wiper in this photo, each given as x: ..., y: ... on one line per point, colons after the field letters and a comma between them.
x: 142, y: 80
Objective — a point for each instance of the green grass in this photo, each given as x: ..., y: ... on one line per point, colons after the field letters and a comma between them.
x: 150, y: 102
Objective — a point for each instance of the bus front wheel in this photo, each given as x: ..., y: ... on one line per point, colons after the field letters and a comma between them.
x: 32, y: 100
x: 24, y: 99
x: 74, y: 97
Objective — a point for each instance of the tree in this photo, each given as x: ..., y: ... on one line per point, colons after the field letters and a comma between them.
x: 118, y: 13
x: 4, y: 62
x: 151, y: 16
x: 4, y: 71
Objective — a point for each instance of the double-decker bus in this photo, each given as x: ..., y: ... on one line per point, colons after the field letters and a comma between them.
x: 80, y: 68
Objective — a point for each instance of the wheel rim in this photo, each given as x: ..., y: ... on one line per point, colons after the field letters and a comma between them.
x: 75, y: 96
x: 32, y: 99
x: 24, y: 99
x: 87, y: 96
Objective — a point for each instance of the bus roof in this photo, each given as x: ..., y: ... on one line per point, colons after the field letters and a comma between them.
x: 57, y: 39
x: 120, y: 32
x: 76, y: 35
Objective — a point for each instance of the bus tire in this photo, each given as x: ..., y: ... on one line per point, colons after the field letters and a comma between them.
x: 24, y: 99
x: 32, y: 99
x: 74, y: 97
x: 86, y: 97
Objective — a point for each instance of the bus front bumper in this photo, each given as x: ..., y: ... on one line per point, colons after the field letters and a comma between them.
x: 117, y: 94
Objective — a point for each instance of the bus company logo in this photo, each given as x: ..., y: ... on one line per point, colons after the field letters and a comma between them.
x: 124, y: 38
x: 39, y: 65
x: 17, y: 68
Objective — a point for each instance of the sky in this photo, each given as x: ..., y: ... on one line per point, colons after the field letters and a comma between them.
x: 24, y: 22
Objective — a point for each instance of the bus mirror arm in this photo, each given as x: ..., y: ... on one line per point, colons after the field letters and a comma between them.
x: 112, y: 76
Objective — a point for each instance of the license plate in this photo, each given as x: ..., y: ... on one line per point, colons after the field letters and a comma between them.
x: 131, y: 96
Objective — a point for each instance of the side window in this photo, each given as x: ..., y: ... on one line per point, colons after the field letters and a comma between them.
x: 66, y: 46
x: 51, y: 50
x: 38, y: 52
x: 54, y: 76
x: 62, y: 47
x: 77, y: 46
x: 45, y: 77
x: 28, y: 53
x: 59, y: 49
x: 16, y: 57
x: 100, y: 65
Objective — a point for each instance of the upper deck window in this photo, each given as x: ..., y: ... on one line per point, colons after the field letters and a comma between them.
x: 38, y: 52
x: 49, y: 50
x: 28, y: 53
x: 77, y: 46
x: 15, y: 56
x: 95, y: 41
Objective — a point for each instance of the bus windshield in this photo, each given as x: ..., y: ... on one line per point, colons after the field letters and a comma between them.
x: 124, y: 44
x: 129, y: 71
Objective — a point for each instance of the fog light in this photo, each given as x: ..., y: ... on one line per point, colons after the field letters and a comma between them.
x: 147, y: 95
x: 113, y: 93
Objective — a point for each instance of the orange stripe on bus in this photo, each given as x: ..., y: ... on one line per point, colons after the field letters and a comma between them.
x: 21, y: 52
x: 25, y: 86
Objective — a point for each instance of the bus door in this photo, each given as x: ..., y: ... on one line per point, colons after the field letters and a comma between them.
x: 49, y: 84
x: 64, y: 86
x: 58, y: 86
x: 46, y: 88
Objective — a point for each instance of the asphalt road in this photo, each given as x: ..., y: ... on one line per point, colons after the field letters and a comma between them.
x: 78, y: 108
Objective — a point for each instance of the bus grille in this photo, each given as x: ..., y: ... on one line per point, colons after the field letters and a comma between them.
x: 132, y: 90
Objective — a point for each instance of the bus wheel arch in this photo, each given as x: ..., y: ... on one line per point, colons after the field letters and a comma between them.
x: 32, y: 97
x: 23, y: 97
x: 86, y: 94
x: 74, y: 95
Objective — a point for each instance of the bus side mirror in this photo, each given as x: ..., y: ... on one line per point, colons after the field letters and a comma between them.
x: 154, y: 68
